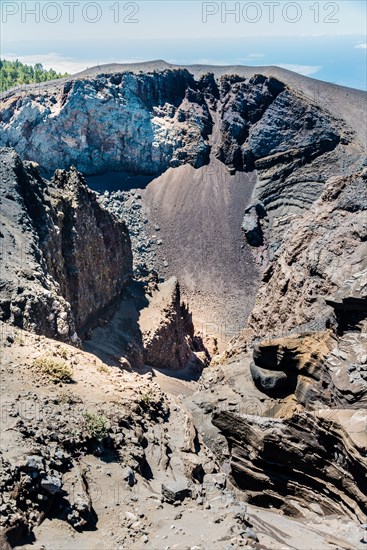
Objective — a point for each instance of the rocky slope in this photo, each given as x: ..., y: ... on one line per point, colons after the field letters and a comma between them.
x: 126, y: 470
x: 236, y: 145
x: 306, y: 459
x: 65, y: 259
x: 151, y: 326
x: 141, y: 123
x: 305, y: 350
x: 52, y: 457
x: 171, y: 113
x: 324, y: 252
x: 70, y: 273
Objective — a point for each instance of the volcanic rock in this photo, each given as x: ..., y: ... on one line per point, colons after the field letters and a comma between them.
x: 311, y: 457
x: 65, y: 258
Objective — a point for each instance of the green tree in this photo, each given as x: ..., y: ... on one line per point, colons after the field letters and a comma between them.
x: 15, y: 73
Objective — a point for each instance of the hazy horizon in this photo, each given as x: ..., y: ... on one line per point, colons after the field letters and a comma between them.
x: 324, y: 40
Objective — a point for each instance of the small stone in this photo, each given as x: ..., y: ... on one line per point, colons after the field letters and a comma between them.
x: 34, y: 462
x: 129, y: 475
x: 250, y: 534
x: 60, y: 455
x: 131, y: 516
x: 51, y: 484
x: 215, y: 480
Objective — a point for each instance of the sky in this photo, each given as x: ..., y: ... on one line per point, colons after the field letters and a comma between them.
x: 322, y: 39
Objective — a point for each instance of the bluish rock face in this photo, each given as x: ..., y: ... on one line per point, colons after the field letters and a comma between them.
x: 142, y: 123
x: 147, y: 122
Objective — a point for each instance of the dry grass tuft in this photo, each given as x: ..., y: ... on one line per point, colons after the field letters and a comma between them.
x: 56, y: 369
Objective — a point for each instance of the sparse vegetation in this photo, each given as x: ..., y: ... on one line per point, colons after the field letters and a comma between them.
x: 103, y: 368
x: 56, y: 369
x: 67, y: 398
x: 147, y: 398
x: 215, y: 346
x: 15, y: 73
x: 95, y: 424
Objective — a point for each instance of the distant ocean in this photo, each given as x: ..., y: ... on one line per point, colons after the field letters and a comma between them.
x: 337, y: 59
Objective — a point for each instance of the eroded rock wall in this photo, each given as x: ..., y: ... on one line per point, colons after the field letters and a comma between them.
x: 304, y: 350
x: 321, y: 251
x: 89, y: 251
x: 311, y: 458
x: 149, y: 121
x: 64, y: 258
x: 142, y: 123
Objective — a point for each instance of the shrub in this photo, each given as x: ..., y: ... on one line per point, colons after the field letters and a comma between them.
x: 95, y: 424
x: 147, y: 398
x: 103, y: 368
x: 57, y: 369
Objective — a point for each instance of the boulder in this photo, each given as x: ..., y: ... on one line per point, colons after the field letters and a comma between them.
x: 51, y: 484
x: 174, y: 491
x: 128, y: 475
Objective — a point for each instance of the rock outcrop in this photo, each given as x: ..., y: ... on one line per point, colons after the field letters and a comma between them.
x: 151, y: 328
x: 89, y: 252
x: 167, y: 330
x: 304, y: 348
x: 306, y: 459
x: 146, y: 122
x: 141, y: 123
x: 281, y: 367
x: 64, y: 258
x: 315, y: 367
x: 324, y: 252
